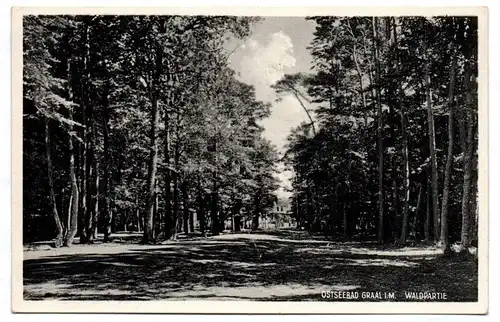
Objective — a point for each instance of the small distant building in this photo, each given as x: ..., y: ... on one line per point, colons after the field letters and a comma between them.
x: 279, y: 216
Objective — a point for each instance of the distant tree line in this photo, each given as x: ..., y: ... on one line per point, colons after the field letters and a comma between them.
x: 391, y: 147
x: 138, y: 122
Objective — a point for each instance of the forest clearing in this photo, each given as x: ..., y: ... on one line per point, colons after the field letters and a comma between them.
x: 280, y: 265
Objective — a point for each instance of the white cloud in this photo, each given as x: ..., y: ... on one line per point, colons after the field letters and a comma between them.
x: 285, y: 115
x: 252, y: 43
x: 264, y: 64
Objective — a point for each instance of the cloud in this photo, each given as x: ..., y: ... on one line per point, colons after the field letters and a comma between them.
x: 285, y: 115
x: 264, y: 64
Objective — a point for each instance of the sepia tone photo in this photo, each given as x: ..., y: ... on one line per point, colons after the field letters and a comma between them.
x: 331, y: 159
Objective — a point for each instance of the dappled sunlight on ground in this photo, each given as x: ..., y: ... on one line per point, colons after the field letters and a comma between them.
x: 259, y: 291
x: 260, y: 237
x: 380, y: 262
x: 401, y: 252
x: 274, y: 265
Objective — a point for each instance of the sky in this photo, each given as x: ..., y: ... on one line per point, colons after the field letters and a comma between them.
x: 276, y: 46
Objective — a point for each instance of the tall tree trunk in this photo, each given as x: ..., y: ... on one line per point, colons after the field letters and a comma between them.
x: 83, y: 177
x: 153, y: 154
x: 152, y: 167
x: 465, y: 238
x: 106, y: 214
x: 404, y: 131
x: 73, y: 216
x: 214, y: 212
x: 73, y: 222
x: 443, y: 240
x: 92, y: 219
x: 428, y: 210
x: 473, y: 223
x: 48, y: 151
x: 380, y: 141
x: 348, y: 213
x: 83, y: 186
x: 156, y: 217
x: 169, y: 220
x: 201, y: 206
x: 89, y: 189
x: 406, y: 179
x: 415, y: 219
x: 138, y: 214
x: 175, y: 211
x: 214, y: 209
x: 191, y: 221
x: 236, y: 222
x: 88, y: 144
x: 185, y: 207
x: 359, y: 73
x: 432, y: 142
x: 344, y: 219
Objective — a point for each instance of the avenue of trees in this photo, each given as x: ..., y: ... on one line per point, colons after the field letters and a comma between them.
x: 137, y: 122
x: 390, y: 149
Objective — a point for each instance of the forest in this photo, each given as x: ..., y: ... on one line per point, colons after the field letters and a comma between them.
x: 139, y: 123
x: 136, y: 122
x: 392, y: 149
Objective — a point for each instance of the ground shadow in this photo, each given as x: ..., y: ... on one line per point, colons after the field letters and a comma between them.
x: 269, y: 266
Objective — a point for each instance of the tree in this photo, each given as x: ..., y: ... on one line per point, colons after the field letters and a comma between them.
x: 449, y: 158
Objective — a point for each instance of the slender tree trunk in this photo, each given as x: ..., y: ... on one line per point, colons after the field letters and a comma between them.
x: 417, y: 210
x: 344, y: 219
x: 152, y: 167
x: 83, y: 173
x: 89, y: 192
x: 473, y: 210
x: 465, y: 238
x: 88, y: 144
x: 404, y: 228
x: 138, y: 214
x: 106, y: 214
x: 83, y: 196
x: 360, y: 79
x: 432, y: 144
x: 175, y: 211
x: 443, y: 240
x: 59, y: 226
x: 380, y: 126
x: 68, y: 218
x: 428, y: 210
x: 201, y: 207
x: 185, y: 208
x: 297, y: 96
x: 156, y: 219
x: 392, y: 218
x: 73, y: 222
x: 153, y: 133
x: 73, y: 216
x: 214, y: 212
x: 191, y: 221
x: 406, y: 179
x: 169, y: 220
x: 404, y: 131
x: 92, y: 219
x: 214, y: 198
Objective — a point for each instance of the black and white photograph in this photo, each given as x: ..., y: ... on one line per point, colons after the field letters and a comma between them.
x: 311, y: 158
